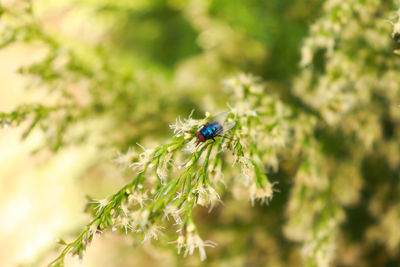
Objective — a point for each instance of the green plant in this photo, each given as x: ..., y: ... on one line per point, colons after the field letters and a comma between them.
x: 175, y: 178
x: 324, y: 135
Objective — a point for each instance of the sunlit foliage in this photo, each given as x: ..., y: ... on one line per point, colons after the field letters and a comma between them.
x: 310, y: 172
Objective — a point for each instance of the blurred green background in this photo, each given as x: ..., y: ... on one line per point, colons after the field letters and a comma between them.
x: 133, y: 67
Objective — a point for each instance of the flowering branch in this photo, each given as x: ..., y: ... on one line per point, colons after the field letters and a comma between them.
x: 174, y: 178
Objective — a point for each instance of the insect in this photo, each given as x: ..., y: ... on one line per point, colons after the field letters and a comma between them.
x: 214, y: 128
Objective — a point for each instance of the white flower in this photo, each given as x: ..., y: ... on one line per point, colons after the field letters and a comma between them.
x: 173, y: 210
x: 246, y: 79
x: 101, y: 203
x: 125, y: 159
x: 139, y: 197
x: 242, y: 82
x: 144, y: 159
x: 247, y: 170
x: 207, y: 196
x: 125, y: 223
x: 181, y: 128
x: 194, y: 241
x: 180, y: 243
x: 94, y: 229
x: 152, y: 233
x: 243, y: 109
x: 190, y: 240
x: 263, y: 194
x: 233, y: 85
x: 140, y: 220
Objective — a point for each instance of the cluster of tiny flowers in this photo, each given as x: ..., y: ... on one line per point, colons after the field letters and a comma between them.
x: 152, y: 233
x: 139, y: 197
x: 345, y: 90
x: 125, y: 159
x: 264, y: 194
x: 247, y: 170
x: 320, y: 247
x: 207, y: 196
x: 185, y: 128
x: 263, y: 128
x: 344, y: 85
x: 174, y: 178
x: 190, y: 240
x: 173, y: 211
x: 342, y: 94
x: 242, y: 83
x: 145, y: 158
x: 100, y: 204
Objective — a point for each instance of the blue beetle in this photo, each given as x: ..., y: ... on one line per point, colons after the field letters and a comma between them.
x: 214, y: 128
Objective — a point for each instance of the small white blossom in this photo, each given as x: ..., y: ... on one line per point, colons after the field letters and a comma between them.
x: 126, y: 158
x: 152, y: 233
x: 194, y: 241
x: 233, y: 85
x: 140, y: 220
x: 125, y: 223
x: 238, y: 84
x: 244, y: 109
x: 144, y: 159
x: 190, y: 240
x: 172, y: 210
x: 263, y: 194
x: 207, y: 196
x: 93, y: 229
x: 138, y: 197
x: 180, y: 243
x: 247, y: 170
x: 101, y: 203
x: 181, y: 128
